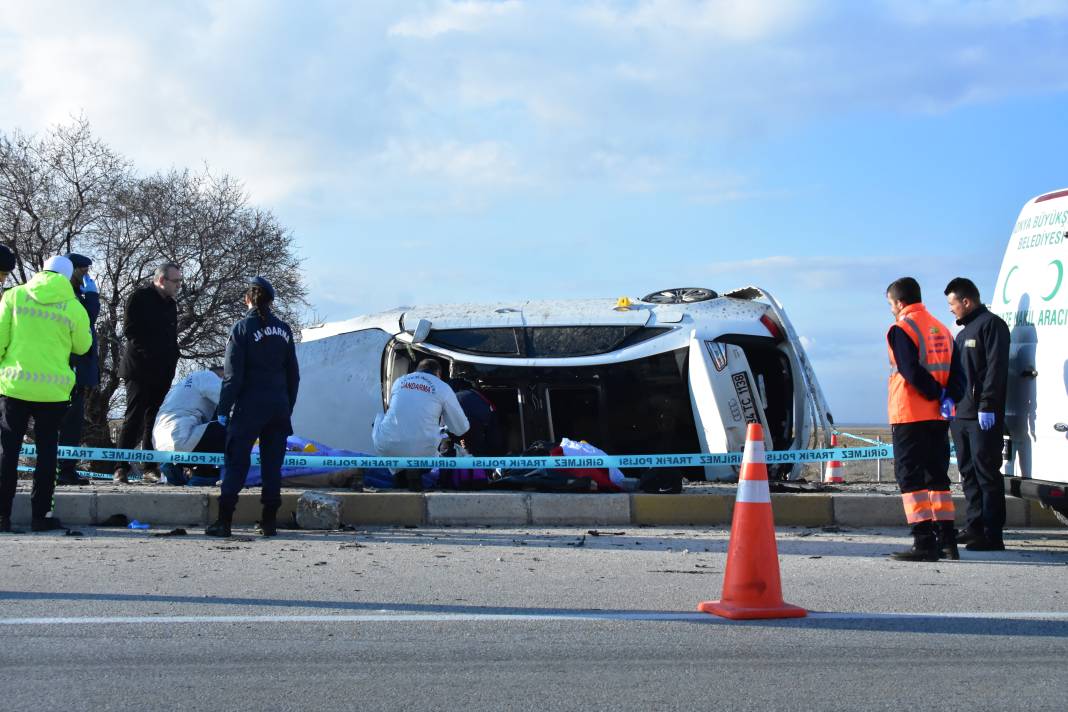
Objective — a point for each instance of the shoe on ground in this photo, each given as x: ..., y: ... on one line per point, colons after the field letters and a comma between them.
x: 150, y: 477
x: 6, y: 528
x: 219, y: 529
x: 46, y: 524
x: 967, y: 536
x: 66, y: 477
x: 984, y: 544
x: 914, y: 554
x: 121, y: 476
x: 175, y: 474
x: 951, y: 552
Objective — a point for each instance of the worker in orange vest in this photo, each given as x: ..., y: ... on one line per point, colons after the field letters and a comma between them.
x: 924, y: 384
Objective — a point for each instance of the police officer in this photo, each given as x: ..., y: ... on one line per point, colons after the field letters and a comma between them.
x: 258, y: 394
x: 86, y: 369
x: 983, y: 345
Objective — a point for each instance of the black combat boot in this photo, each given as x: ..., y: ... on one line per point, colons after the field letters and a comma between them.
x: 924, y: 544
x: 221, y: 527
x: 268, y: 524
x: 947, y: 541
x: 991, y: 541
x: 46, y: 524
x: 5, y: 525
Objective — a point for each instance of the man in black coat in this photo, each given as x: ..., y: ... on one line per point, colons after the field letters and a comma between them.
x: 86, y: 369
x: 983, y: 345
x: 150, y: 325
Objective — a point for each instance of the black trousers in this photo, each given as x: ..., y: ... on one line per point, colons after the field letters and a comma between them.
x: 979, y: 460
x: 921, y: 455
x: 15, y: 417
x: 143, y: 399
x: 70, y: 429
x: 271, y: 425
x: 213, y: 440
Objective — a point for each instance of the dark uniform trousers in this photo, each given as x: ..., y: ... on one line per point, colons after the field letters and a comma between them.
x: 272, y: 426
x: 70, y: 429
x: 15, y: 416
x: 979, y: 460
x: 921, y: 455
x: 143, y: 399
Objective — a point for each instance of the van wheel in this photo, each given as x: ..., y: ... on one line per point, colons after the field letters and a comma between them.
x: 1061, y: 514
x: 680, y: 295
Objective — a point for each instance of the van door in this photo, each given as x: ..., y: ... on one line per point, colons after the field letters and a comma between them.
x: 1031, y: 295
x: 340, y: 388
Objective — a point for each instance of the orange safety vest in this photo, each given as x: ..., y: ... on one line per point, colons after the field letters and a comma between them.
x: 935, y: 344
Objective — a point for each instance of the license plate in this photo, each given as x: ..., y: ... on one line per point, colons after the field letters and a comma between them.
x: 745, y: 397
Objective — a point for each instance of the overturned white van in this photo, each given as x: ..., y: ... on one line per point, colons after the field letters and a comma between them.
x: 1032, y: 297
x: 679, y: 371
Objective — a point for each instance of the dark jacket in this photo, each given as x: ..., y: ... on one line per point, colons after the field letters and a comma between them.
x: 87, y: 366
x: 983, y: 345
x: 907, y: 360
x: 484, y: 438
x: 261, y: 365
x: 150, y: 326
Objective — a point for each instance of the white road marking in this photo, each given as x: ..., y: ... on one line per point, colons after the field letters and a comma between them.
x: 399, y: 617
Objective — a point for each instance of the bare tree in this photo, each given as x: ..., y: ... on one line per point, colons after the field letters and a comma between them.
x: 68, y: 192
x: 54, y: 190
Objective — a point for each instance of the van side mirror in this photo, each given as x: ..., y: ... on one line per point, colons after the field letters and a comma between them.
x: 422, y: 330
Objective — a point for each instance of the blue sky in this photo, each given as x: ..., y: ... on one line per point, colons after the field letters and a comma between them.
x: 430, y: 151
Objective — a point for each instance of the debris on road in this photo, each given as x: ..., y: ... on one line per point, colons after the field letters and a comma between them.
x: 318, y: 510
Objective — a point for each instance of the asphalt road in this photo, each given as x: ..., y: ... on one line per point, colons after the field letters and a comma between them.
x: 490, y: 619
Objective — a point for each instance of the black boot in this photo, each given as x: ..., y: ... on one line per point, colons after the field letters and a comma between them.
x: 947, y: 541
x: 987, y: 542
x: 5, y: 525
x: 924, y: 544
x: 46, y: 524
x: 70, y: 477
x: 221, y: 527
x: 268, y: 523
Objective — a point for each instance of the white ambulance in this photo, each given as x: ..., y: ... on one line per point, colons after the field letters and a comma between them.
x: 1032, y: 297
x: 677, y: 371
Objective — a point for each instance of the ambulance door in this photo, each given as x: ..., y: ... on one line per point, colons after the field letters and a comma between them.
x: 340, y: 388
x: 1032, y: 297
x: 725, y: 400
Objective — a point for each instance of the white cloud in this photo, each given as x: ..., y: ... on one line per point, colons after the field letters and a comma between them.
x: 483, y: 163
x: 449, y: 17
x: 737, y: 20
x: 306, y: 102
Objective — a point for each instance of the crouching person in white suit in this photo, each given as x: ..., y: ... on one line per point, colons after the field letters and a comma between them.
x: 186, y: 423
x: 419, y: 405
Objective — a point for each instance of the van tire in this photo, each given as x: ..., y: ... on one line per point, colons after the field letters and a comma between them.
x: 680, y: 295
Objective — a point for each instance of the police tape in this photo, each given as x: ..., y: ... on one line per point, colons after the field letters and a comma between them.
x: 883, y: 452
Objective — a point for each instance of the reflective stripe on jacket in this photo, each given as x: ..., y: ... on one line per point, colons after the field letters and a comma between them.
x: 41, y: 325
x: 935, y: 345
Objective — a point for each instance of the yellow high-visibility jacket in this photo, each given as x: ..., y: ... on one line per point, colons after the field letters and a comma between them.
x: 41, y: 324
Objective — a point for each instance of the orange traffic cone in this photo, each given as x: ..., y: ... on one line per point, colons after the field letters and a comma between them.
x: 751, y: 585
x: 834, y: 470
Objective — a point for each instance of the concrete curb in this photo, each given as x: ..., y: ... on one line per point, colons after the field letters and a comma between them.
x: 175, y: 507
